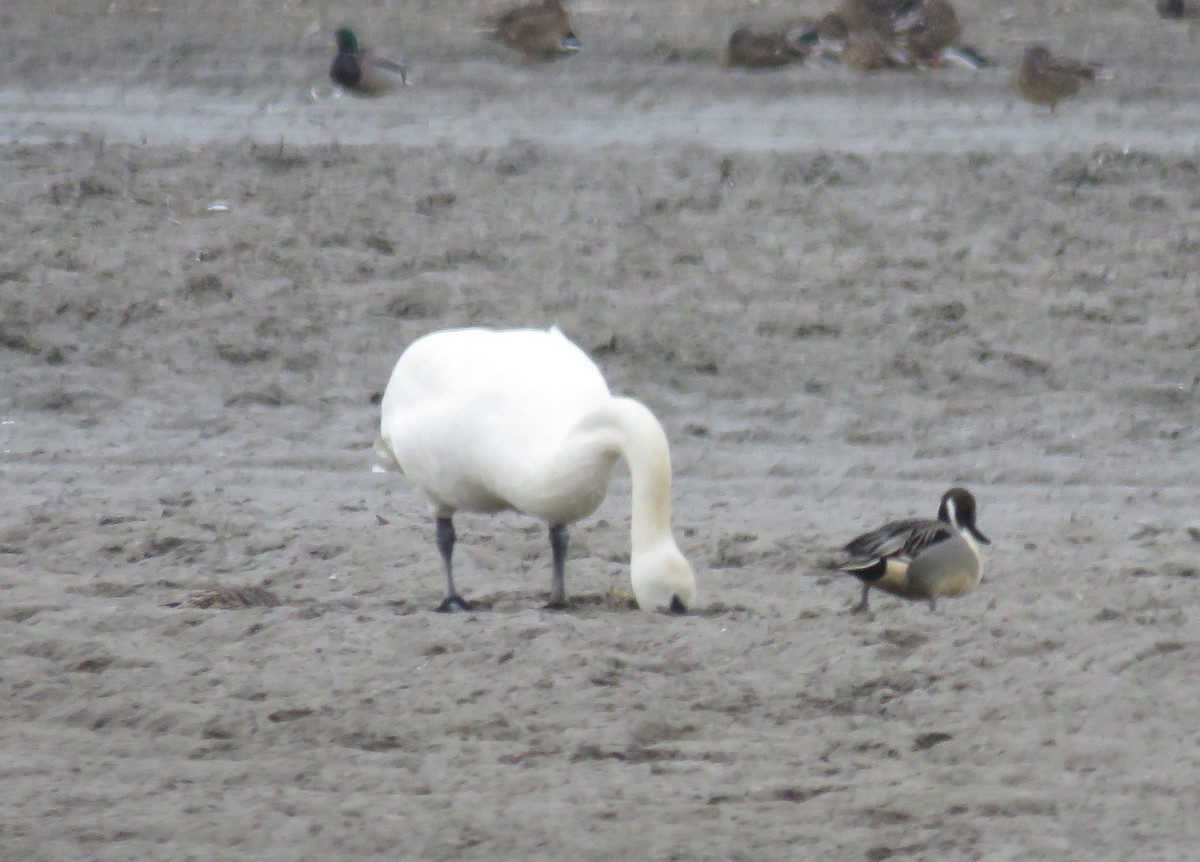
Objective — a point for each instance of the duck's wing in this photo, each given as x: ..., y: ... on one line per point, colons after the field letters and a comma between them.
x: 966, y: 56
x: 1073, y: 68
x: 396, y: 67
x: 912, y: 20
x: 905, y: 539
x: 927, y: 535
x: 383, y: 74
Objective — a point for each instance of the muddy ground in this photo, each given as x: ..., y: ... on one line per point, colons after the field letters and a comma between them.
x: 840, y: 294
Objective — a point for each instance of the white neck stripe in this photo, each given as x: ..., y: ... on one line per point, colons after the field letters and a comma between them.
x: 952, y: 511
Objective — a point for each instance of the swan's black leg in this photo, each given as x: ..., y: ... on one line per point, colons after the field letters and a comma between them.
x: 559, y: 536
x: 445, y: 543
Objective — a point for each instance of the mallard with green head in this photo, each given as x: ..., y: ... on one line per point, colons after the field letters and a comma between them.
x: 359, y: 71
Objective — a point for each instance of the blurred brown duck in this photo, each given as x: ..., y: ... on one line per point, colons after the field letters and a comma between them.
x: 764, y: 49
x: 875, y: 16
x: 931, y: 33
x: 868, y: 52
x: 360, y: 72
x: 540, y: 31
x: 929, y: 29
x: 1045, y: 79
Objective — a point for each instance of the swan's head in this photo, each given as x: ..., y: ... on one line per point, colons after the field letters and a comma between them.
x: 663, y: 579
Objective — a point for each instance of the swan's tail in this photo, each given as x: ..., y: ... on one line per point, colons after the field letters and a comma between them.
x: 387, y: 458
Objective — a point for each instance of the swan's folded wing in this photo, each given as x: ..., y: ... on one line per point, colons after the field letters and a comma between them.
x: 468, y: 414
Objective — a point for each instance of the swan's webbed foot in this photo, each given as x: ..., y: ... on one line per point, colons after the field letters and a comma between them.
x: 454, y: 604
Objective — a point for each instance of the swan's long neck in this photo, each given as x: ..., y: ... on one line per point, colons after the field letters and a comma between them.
x: 574, y: 480
x: 640, y: 439
x: 659, y: 573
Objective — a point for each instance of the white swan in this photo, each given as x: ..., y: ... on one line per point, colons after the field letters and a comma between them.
x: 488, y: 420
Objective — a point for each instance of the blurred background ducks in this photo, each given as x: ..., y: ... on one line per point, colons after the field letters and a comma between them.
x: 357, y: 70
x: 861, y: 34
x: 931, y: 34
x: 871, y: 35
x: 539, y: 31
x: 1045, y: 79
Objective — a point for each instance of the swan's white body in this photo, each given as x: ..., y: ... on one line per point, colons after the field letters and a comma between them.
x: 486, y: 420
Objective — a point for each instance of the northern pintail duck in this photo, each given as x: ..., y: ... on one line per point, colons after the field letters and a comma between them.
x: 361, y: 72
x: 540, y: 31
x: 1045, y: 79
x: 921, y: 559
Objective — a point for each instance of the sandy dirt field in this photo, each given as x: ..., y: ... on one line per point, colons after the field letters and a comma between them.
x: 840, y: 294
